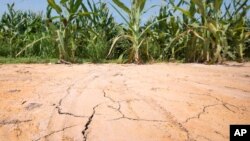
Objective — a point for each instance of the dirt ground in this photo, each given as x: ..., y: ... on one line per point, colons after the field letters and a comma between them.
x: 111, y: 102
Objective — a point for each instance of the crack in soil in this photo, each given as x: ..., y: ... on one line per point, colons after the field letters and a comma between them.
x: 200, y: 113
x: 4, y: 122
x: 237, y: 89
x: 123, y: 116
x: 106, y: 96
x: 59, y: 109
x: 86, y: 126
x: 217, y: 132
x: 60, y: 112
x: 223, y: 103
x: 137, y: 119
x: 184, y: 129
x: 68, y: 93
x: 172, y: 118
x: 54, y: 132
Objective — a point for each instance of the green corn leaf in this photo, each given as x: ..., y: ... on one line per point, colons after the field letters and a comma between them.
x: 63, y: 1
x: 150, y: 25
x: 53, y: 4
x: 122, y: 6
x: 185, y: 12
x: 142, y: 4
x: 120, y: 14
x: 151, y: 7
x: 30, y: 45
x: 71, y: 5
x: 76, y: 6
x: 87, y: 13
x: 192, y: 9
x: 200, y: 5
x: 120, y: 59
x: 84, y: 8
x: 114, y: 43
x: 227, y: 10
x: 90, y: 5
x: 217, y: 4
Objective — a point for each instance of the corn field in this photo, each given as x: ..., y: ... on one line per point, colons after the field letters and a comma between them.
x: 204, y: 31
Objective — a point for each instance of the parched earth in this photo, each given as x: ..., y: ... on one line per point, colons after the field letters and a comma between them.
x: 111, y: 102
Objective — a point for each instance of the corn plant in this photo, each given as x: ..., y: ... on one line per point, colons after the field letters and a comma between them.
x: 11, y: 23
x: 238, y: 33
x: 135, y: 33
x: 165, y: 34
x: 99, y: 29
x: 247, y: 45
x: 68, y: 11
x: 21, y: 28
x: 209, y: 31
x: 210, y: 37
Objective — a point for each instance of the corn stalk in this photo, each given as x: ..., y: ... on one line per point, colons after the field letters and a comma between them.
x: 212, y: 28
x: 135, y: 33
x: 68, y: 11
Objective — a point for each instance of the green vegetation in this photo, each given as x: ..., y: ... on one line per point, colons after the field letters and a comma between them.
x: 205, y: 31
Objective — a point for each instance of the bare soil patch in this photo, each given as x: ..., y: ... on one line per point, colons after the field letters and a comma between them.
x: 110, y: 102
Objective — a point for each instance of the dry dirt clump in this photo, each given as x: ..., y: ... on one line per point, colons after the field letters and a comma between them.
x: 110, y: 102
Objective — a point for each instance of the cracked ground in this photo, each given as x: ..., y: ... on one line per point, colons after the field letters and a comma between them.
x: 111, y: 102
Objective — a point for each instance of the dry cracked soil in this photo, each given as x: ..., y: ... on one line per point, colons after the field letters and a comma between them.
x: 111, y: 102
